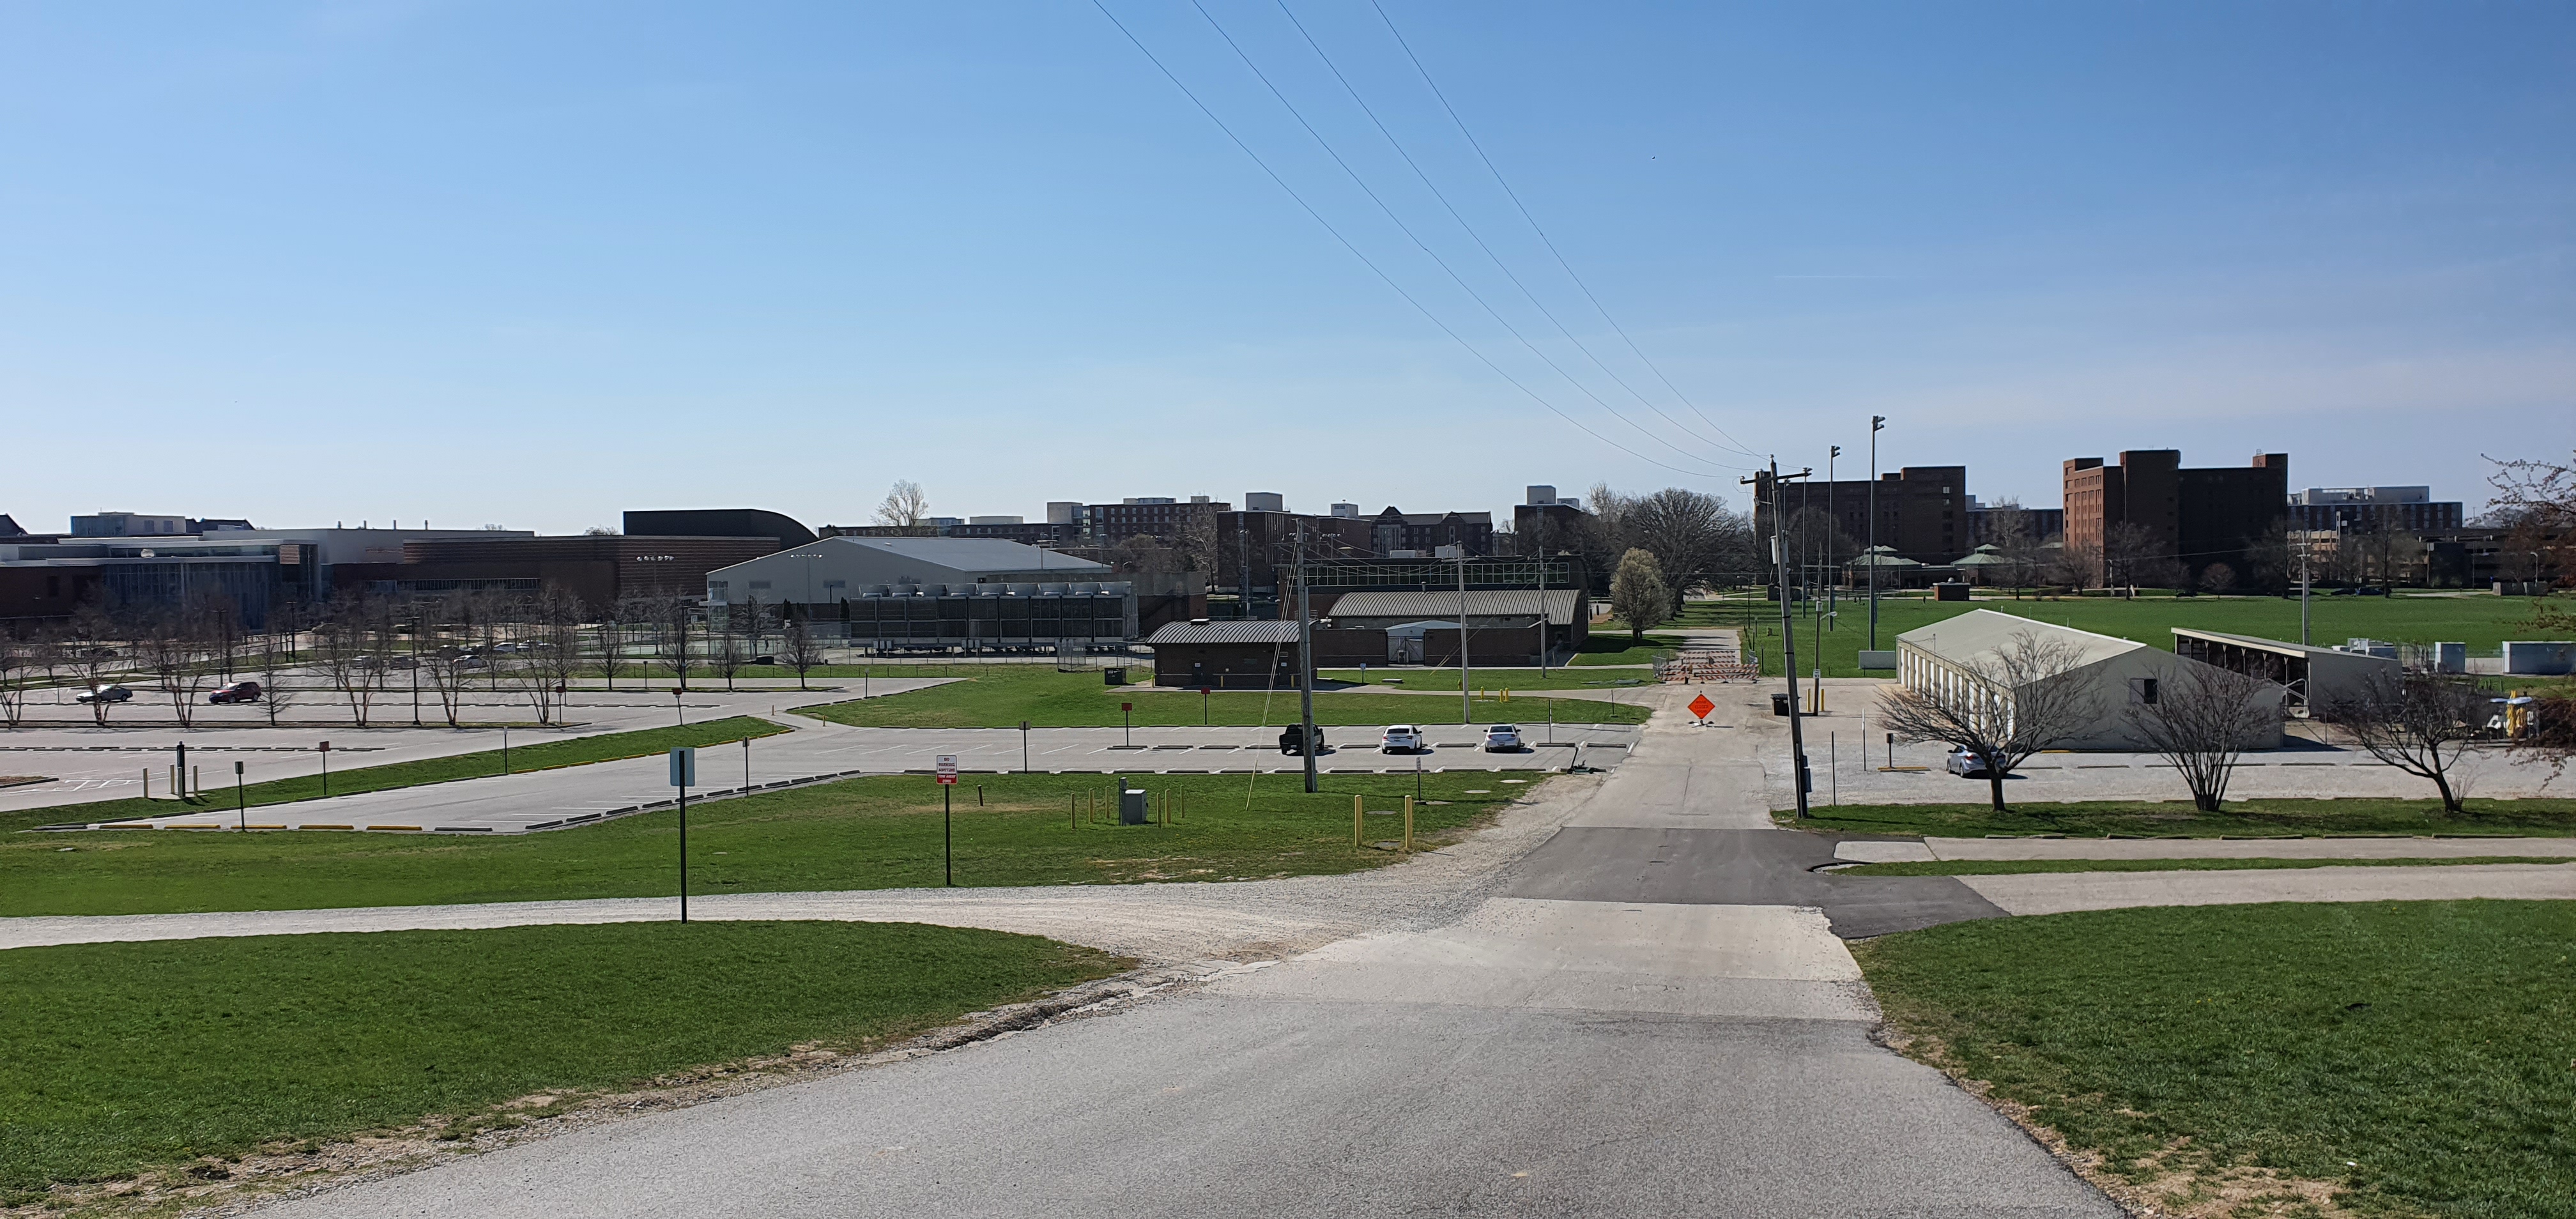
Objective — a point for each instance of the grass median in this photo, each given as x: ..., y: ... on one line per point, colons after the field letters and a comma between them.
x: 880, y: 832
x: 2019, y: 867
x: 1002, y: 698
x: 2403, y: 1058
x: 2176, y: 819
x: 182, y: 1056
x: 1498, y: 680
x: 541, y: 755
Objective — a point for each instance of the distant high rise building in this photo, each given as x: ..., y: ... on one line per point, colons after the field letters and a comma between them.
x: 2194, y: 516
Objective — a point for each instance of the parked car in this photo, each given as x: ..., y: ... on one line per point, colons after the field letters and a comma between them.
x: 1965, y: 764
x: 1401, y: 738
x: 236, y: 692
x: 1503, y: 738
x: 1292, y: 740
x: 105, y: 694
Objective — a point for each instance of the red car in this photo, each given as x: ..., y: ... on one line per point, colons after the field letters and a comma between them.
x: 237, y: 692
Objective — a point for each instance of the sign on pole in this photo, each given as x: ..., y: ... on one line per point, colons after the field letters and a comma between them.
x: 947, y: 764
x: 684, y: 767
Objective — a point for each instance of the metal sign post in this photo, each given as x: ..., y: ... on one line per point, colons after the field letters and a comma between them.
x: 241, y: 802
x: 1024, y: 747
x: 947, y: 766
x: 326, y: 769
x: 1127, y: 712
x: 684, y: 772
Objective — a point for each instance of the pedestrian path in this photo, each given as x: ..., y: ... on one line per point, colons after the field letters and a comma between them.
x: 1930, y: 849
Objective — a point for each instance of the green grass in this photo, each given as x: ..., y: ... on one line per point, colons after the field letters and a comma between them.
x: 540, y: 755
x: 2416, y: 1054
x: 872, y: 833
x: 2017, y: 867
x: 2480, y: 622
x: 131, y: 1056
x: 2155, y: 819
x: 1610, y: 645
x: 1001, y: 698
x: 1496, y: 680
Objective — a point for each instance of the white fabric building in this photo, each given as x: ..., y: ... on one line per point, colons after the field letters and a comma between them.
x: 1961, y: 657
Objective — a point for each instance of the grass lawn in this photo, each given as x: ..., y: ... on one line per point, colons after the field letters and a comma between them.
x: 1514, y: 680
x: 2015, y: 867
x: 1611, y: 646
x: 1001, y: 698
x: 2415, y: 1055
x: 881, y: 832
x: 126, y: 1057
x: 2163, y: 819
x: 2481, y: 622
x: 540, y: 755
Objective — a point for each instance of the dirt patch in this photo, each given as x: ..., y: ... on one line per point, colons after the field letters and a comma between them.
x: 212, y: 1186
x: 2178, y: 1182
x: 23, y: 780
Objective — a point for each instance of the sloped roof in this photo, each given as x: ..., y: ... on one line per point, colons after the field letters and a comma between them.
x: 1228, y: 631
x: 978, y: 554
x: 1562, y: 604
x: 1976, y: 639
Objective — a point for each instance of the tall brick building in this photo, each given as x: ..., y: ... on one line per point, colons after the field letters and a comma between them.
x: 2196, y: 516
x: 1922, y: 510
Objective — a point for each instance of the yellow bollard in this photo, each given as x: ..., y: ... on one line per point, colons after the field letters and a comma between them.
x: 1359, y: 809
x: 1408, y: 825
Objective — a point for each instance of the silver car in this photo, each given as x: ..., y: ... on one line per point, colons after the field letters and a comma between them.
x: 1503, y: 738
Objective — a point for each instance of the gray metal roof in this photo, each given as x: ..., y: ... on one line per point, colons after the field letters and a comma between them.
x: 976, y: 554
x: 2259, y: 643
x: 1562, y: 604
x: 1228, y: 631
x: 1978, y: 637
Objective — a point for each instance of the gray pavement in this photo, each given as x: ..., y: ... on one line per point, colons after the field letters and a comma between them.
x: 577, y: 795
x: 2061, y: 892
x: 1928, y: 849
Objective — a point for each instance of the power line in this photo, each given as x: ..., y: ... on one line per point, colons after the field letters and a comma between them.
x: 1365, y: 260
x: 1478, y: 238
x: 1499, y: 180
x: 1426, y: 249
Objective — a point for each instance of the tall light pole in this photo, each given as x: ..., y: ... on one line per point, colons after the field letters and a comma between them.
x: 1788, y: 636
x: 1305, y: 660
x: 1466, y: 701
x: 1877, y: 423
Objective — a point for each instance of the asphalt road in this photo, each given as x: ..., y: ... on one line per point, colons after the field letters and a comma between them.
x: 1593, y: 1054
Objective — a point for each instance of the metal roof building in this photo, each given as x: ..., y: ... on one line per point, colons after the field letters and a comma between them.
x: 2310, y: 673
x: 1963, y: 657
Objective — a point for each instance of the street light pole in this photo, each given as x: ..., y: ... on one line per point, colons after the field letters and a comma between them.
x: 1788, y: 638
x: 1305, y: 661
x: 1877, y: 423
x: 1466, y: 700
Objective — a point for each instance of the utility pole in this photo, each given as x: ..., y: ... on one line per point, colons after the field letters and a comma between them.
x: 2306, y: 548
x: 1466, y: 701
x: 1305, y: 660
x: 1833, y: 573
x: 1542, y: 603
x: 1788, y: 636
x: 1877, y: 423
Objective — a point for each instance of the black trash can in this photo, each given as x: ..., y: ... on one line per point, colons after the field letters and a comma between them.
x: 1113, y: 677
x: 1780, y: 705
x: 1131, y: 807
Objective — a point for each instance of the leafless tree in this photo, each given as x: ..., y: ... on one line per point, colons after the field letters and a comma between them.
x: 674, y: 626
x: 2272, y: 559
x: 608, y: 638
x: 2001, y: 707
x: 48, y: 653
x: 2012, y: 531
x: 2419, y: 723
x: 274, y: 697
x: 174, y: 645
x: 2217, y: 579
x: 16, y: 664
x: 2538, y: 498
x: 2202, y: 718
x: 1638, y: 593
x: 804, y: 653
x: 727, y: 645
x: 2076, y: 565
x: 1696, y: 540
x: 558, y: 645
x: 906, y: 507
x: 353, y: 646
x: 2129, y: 550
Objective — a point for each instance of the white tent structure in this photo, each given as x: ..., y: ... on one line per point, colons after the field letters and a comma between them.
x: 1962, y: 657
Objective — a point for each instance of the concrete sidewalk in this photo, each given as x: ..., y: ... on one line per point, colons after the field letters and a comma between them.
x: 1931, y: 849
x: 2060, y: 892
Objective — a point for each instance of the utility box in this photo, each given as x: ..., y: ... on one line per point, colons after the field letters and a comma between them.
x: 1113, y: 677
x: 1950, y: 590
x: 1780, y: 705
x: 2450, y: 658
x: 1131, y: 807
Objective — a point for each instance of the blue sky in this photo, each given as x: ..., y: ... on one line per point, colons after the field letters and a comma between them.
x: 532, y: 264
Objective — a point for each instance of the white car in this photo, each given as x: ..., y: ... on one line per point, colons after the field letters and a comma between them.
x: 1503, y: 738
x: 1401, y: 738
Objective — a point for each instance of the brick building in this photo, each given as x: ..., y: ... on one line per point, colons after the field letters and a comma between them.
x: 1922, y: 510
x: 2194, y: 516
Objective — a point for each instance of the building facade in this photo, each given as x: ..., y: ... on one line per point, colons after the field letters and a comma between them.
x: 1922, y: 510
x: 2188, y: 518
x: 2374, y: 509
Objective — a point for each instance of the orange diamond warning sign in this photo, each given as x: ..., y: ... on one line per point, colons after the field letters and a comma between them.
x: 1701, y: 706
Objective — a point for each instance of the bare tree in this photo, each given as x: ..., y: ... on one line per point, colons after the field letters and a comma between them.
x: 906, y: 507
x: 727, y: 645
x: 609, y: 638
x: 2202, y: 718
x: 1638, y: 594
x: 2001, y: 707
x: 2217, y: 579
x: 93, y: 654
x: 2128, y: 550
x: 804, y: 652
x: 174, y: 645
x: 16, y: 662
x: 274, y: 697
x: 50, y: 654
x: 674, y: 627
x: 2538, y: 499
x: 352, y: 646
x: 1696, y: 540
x: 558, y: 646
x: 2419, y: 723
